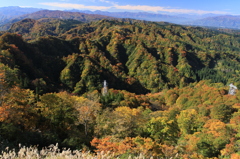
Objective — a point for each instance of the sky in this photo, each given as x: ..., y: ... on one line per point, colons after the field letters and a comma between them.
x: 154, y: 6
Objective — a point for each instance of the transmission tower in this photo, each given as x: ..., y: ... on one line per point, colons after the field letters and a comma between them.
x: 232, y: 89
x: 105, y: 88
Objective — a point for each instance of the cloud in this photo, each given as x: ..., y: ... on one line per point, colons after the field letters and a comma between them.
x: 26, y: 6
x: 74, y: 6
x: 144, y: 8
x: 109, y: 2
x: 164, y: 9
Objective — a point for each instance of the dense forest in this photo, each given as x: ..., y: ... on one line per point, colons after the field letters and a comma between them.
x: 167, y: 88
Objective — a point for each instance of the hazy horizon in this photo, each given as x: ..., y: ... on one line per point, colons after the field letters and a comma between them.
x: 168, y: 7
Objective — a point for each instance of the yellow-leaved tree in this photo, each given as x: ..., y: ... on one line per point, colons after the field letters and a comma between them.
x: 87, y: 110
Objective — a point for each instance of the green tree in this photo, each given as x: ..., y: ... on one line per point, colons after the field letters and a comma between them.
x: 58, y: 113
x: 222, y: 112
x: 163, y: 130
x: 189, y: 121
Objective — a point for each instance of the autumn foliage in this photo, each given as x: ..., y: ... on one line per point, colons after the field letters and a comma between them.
x: 167, y: 88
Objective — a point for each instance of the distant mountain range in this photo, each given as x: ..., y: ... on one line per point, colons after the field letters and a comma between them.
x: 10, y: 15
x: 7, y: 13
x: 16, y: 11
x: 83, y: 17
x: 225, y: 21
x: 140, y: 16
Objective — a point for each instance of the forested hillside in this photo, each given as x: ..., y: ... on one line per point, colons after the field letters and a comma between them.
x: 140, y: 57
x: 167, y: 87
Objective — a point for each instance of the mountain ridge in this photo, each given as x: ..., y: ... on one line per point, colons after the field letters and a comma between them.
x: 8, y: 13
x: 208, y: 20
x: 140, y: 16
x: 137, y: 56
x: 56, y: 14
x: 223, y: 21
x: 167, y: 89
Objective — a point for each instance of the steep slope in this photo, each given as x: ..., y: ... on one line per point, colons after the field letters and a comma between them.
x: 137, y: 56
